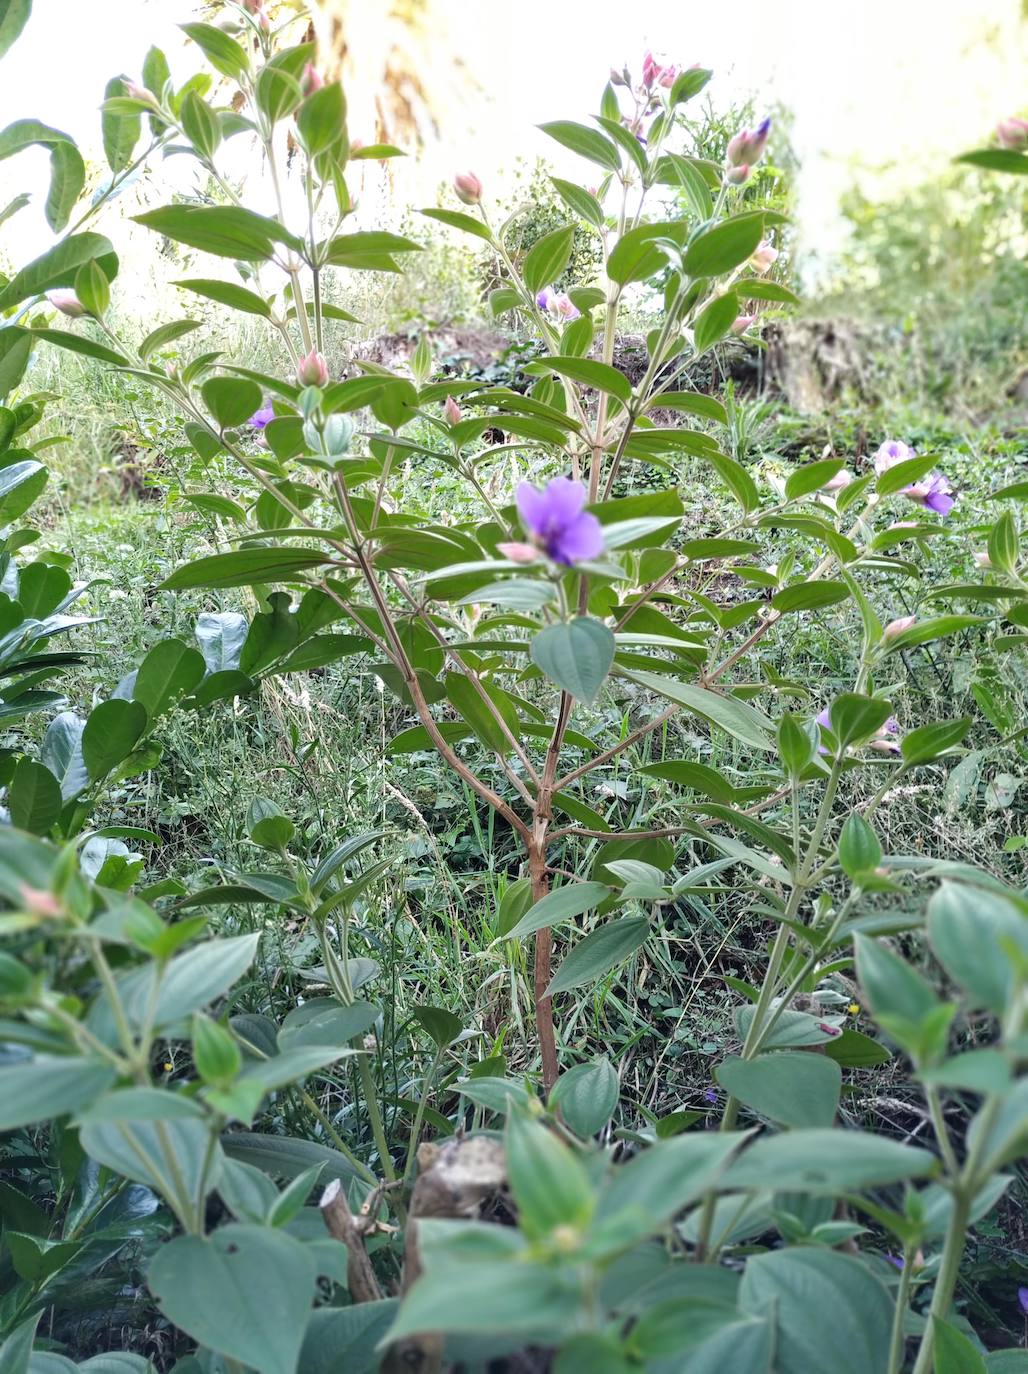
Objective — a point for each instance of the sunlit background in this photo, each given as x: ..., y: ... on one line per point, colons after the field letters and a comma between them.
x: 883, y: 93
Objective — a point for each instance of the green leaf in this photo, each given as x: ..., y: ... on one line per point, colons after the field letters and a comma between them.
x: 61, y: 752
x: 217, y: 1290
x: 268, y: 825
x: 457, y: 220
x: 792, y: 1089
x: 587, y: 1096
x: 644, y: 251
x: 644, y: 1194
x: 41, y: 1088
x: 231, y: 400
x: 589, y: 372
x: 15, y: 351
x: 693, y: 403
x: 120, y: 131
x: 902, y: 475
x: 14, y: 16
x: 227, y: 231
x: 34, y: 797
x: 441, y: 1025
x: 576, y: 655
x: 927, y: 742
x: 954, y: 1353
x: 826, y: 1162
x: 169, y: 671
x: 859, y: 850
x: 833, y: 1316
x: 715, y: 320
x: 742, y: 721
x: 227, y: 293
x: 560, y: 905
x: 491, y: 1297
x: 972, y: 933
x: 997, y: 160
x: 465, y: 700
x: 588, y: 143
x: 809, y: 596
x: 346, y: 1338
x: 893, y: 989
x: 321, y: 119
x: 67, y: 170
x: 856, y: 718
x: 165, y: 334
x: 245, y: 567
x: 550, y: 1186
x: 111, y: 733
x: 579, y: 201
x: 548, y: 257
x: 725, y: 246
x: 58, y: 266
x: 602, y: 949
x: 285, y: 1157
x: 222, y: 52
x: 79, y: 343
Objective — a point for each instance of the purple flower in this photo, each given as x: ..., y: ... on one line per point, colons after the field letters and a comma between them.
x: 710, y: 1094
x: 747, y: 146
x: 890, y: 453
x: 1022, y: 1298
x: 896, y: 1261
x: 557, y: 522
x: 557, y: 303
x: 933, y: 492
x: 261, y: 417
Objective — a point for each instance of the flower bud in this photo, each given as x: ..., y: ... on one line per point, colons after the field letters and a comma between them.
x: 617, y: 78
x: 451, y: 411
x: 312, y: 80
x: 837, y: 482
x: 518, y: 553
x: 1012, y: 133
x: 38, y: 902
x: 743, y: 322
x: 137, y: 92
x: 468, y: 188
x: 67, y: 303
x: 981, y: 558
x: 735, y: 176
x: 896, y: 627
x: 747, y: 146
x: 313, y: 370
x: 764, y: 258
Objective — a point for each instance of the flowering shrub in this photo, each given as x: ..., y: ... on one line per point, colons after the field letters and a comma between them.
x: 507, y: 632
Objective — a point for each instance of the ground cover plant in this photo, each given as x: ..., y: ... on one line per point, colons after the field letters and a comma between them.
x: 511, y: 720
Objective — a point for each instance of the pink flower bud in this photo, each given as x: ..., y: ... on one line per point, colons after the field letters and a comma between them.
x: 982, y: 559
x: 735, y: 176
x: 743, y: 322
x: 896, y: 627
x: 356, y: 144
x: 518, y: 553
x: 840, y: 480
x: 312, y: 79
x: 451, y: 411
x: 67, y: 303
x: 764, y: 258
x: 747, y: 146
x: 468, y: 188
x: 313, y: 370
x: 1012, y: 133
x: 137, y: 92
x: 38, y: 902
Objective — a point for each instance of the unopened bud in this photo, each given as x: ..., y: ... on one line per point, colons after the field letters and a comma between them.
x: 468, y: 188
x: 312, y: 79
x: 518, y: 552
x: 38, y: 902
x: 838, y: 481
x: 735, y: 176
x: 139, y: 92
x: 982, y: 559
x: 67, y: 303
x: 313, y: 370
x: 747, y: 146
x: 743, y: 322
x: 763, y: 258
x: 896, y: 627
x: 451, y: 411
x: 1012, y: 133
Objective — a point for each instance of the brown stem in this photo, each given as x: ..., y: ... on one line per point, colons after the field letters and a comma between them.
x: 543, y: 961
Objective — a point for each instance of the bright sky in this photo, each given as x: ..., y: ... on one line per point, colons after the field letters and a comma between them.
x: 902, y: 82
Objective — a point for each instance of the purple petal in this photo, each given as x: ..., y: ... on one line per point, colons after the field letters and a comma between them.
x: 544, y: 298
x: 1022, y: 1298
x: 532, y: 507
x: 941, y: 502
x: 262, y: 417
x: 564, y: 499
x: 577, y: 541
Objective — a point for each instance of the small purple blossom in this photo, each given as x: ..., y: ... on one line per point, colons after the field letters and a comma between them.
x: 890, y: 453
x: 557, y: 521
x: 710, y: 1095
x: 933, y: 491
x: 557, y: 303
x: 1022, y: 1298
x: 896, y: 1261
x: 260, y: 418
x: 747, y: 146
